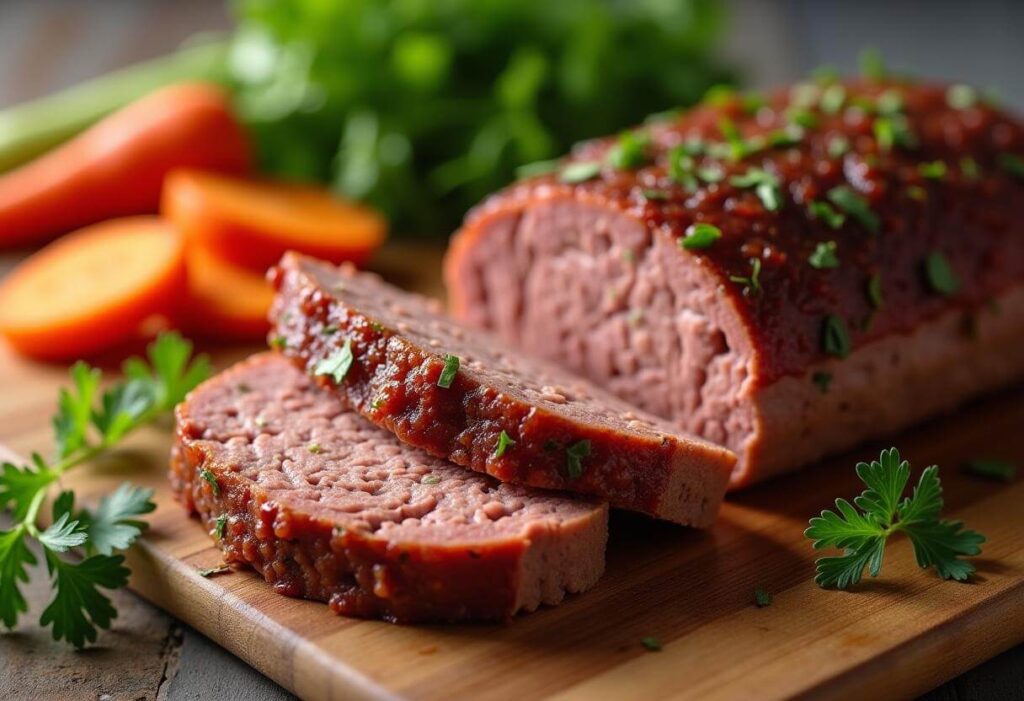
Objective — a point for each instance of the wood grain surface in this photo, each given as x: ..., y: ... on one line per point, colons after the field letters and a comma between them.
x: 895, y: 636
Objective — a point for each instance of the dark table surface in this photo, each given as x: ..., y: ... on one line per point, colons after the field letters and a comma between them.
x: 48, y: 44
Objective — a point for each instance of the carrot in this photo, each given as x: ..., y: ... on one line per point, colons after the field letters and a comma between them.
x: 225, y: 302
x: 252, y: 223
x: 117, y: 167
x: 93, y: 289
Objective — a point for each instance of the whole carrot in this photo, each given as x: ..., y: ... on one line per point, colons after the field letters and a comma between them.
x: 117, y: 167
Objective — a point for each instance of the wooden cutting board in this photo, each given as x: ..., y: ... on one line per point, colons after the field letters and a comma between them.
x: 895, y: 636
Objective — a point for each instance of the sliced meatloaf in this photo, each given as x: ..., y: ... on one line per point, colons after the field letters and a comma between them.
x: 785, y: 275
x: 463, y: 394
x: 327, y: 506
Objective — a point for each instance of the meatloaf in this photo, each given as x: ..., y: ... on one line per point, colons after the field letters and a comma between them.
x: 786, y: 275
x: 462, y: 394
x: 327, y: 506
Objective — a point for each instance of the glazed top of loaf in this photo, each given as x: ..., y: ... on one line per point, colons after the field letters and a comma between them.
x: 842, y: 211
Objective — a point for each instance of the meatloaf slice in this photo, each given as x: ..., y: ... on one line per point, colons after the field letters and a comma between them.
x: 327, y: 506
x: 785, y: 275
x: 462, y: 394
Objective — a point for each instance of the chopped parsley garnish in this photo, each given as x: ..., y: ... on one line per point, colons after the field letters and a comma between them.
x: 825, y: 212
x: 315, y: 448
x: 803, y: 95
x: 993, y: 469
x: 862, y: 528
x: 935, y: 170
x: 211, y: 571
x: 330, y: 330
x: 889, y: 102
x: 835, y: 337
x: 377, y: 326
x: 970, y: 168
x: 651, y: 643
x: 699, y: 236
x: 219, y: 525
x: 574, y: 458
x: 941, y: 278
x: 737, y: 146
x: 874, y: 291
x: 431, y: 479
x: 1012, y: 164
x: 838, y: 146
x: 337, y: 365
x: 211, y: 479
x: 279, y: 343
x: 532, y: 170
x: 751, y: 283
x: 762, y: 598
x: 832, y: 99
x: 630, y: 151
x: 504, y: 443
x: 802, y: 117
x: 848, y: 200
x: 872, y: 65
x: 791, y: 135
x: 824, y: 256
x: 822, y: 380
x: 451, y: 367
x: 893, y: 130
x: 579, y: 172
x: 961, y: 97
x: 765, y: 184
x: 681, y: 168
x: 710, y: 174
x: 654, y: 195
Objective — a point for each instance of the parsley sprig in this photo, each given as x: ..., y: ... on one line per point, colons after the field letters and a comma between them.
x: 87, y: 423
x: 861, y: 529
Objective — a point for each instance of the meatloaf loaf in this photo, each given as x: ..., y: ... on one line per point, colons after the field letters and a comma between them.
x: 784, y: 275
x: 327, y: 506
x: 459, y: 393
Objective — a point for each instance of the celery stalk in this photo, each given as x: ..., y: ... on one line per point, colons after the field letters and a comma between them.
x: 31, y: 128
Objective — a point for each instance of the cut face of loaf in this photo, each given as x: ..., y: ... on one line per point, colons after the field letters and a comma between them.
x: 462, y: 394
x: 327, y: 506
x: 785, y: 292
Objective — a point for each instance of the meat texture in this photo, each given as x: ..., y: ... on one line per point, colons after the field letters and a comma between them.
x: 327, y: 506
x: 786, y: 276
x: 491, y: 409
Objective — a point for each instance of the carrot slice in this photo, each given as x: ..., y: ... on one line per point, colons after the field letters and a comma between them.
x: 253, y: 222
x: 226, y: 302
x: 93, y: 289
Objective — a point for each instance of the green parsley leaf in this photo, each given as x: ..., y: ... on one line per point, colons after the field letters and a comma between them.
x: 762, y: 598
x: 537, y: 168
x: 838, y: 146
x: 825, y: 212
x: 574, y: 458
x: 711, y: 174
x: 451, y: 368
x: 941, y: 278
x: 822, y: 380
x: 121, y: 408
x: 889, y: 102
x: 279, y: 343
x: 681, y: 168
x: 935, y: 170
x: 111, y: 525
x: 63, y: 534
x: 314, y: 448
x: 337, y: 365
x: 211, y: 479
x: 574, y: 173
x: 79, y: 607
x: 74, y: 409
x: 629, y: 151
x: 652, y: 194
x: 431, y: 479
x: 765, y: 185
x: 19, y: 486
x: 219, y: 525
x: 824, y: 256
x: 174, y: 371
x: 790, y: 135
x: 961, y: 97
x: 802, y: 117
x: 835, y: 337
x: 832, y: 99
x: 1012, y: 164
x: 15, y: 557
x: 651, y: 643
x: 699, y: 236
x: 504, y: 443
x: 849, y: 201
x: 861, y: 531
x: 212, y: 571
x: 994, y: 469
x: 736, y: 145
x: 751, y: 283
x: 893, y: 130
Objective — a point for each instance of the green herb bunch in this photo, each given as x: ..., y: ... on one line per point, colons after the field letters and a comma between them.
x: 87, y: 423
x: 861, y: 529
